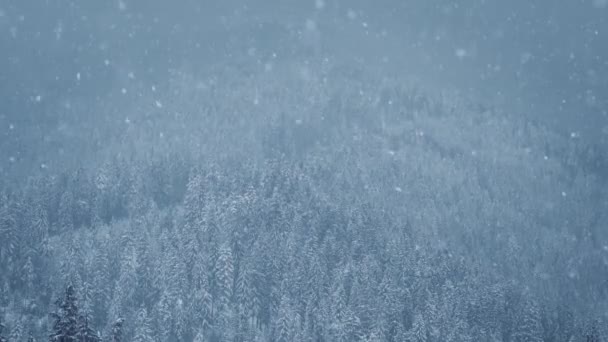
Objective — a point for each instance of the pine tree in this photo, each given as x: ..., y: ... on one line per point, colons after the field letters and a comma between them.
x: 194, y: 201
x: 433, y: 316
x: 143, y: 330
x: 529, y: 328
x: 28, y: 275
x: 200, y: 336
x: 418, y: 333
x: 593, y: 333
x: 163, y: 314
x: 348, y: 325
x: 16, y: 331
x: 85, y: 332
x: 284, y: 321
x: 224, y: 273
x: 101, y: 290
x: 65, y: 325
x: 245, y: 294
x: 65, y: 215
x: 127, y: 281
x: 201, y: 305
x: 459, y: 332
x: 2, y: 338
x: 40, y: 228
x: 116, y: 334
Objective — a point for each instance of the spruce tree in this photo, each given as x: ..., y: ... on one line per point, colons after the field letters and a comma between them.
x: 16, y: 331
x: 593, y: 333
x: 143, y: 329
x: 224, y: 273
x: 418, y: 333
x: 200, y: 336
x: 529, y: 328
x: 65, y: 320
x: 117, y: 330
x: 85, y: 332
x: 2, y: 338
x: 65, y: 216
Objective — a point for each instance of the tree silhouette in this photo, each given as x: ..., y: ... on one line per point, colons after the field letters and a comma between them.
x: 2, y: 338
x: 66, y: 319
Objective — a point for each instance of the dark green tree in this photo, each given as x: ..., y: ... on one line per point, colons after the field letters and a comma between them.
x: 117, y: 330
x: 85, y: 332
x: 66, y: 319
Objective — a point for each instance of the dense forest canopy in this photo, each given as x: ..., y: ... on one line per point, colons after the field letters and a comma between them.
x: 284, y: 191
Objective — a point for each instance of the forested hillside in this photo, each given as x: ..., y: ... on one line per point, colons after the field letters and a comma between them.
x: 304, y: 204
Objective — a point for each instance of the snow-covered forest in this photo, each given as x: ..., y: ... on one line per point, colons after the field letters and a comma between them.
x: 226, y: 172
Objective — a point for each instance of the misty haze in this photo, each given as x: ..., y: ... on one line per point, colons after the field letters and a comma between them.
x: 304, y: 170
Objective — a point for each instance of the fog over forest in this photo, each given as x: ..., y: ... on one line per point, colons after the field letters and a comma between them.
x: 304, y: 170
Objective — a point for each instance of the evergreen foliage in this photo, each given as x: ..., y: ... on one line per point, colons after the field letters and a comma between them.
x: 116, y: 333
x: 65, y: 326
x: 330, y: 216
x: 2, y: 337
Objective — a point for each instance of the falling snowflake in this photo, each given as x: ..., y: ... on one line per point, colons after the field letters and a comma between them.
x: 311, y: 25
x: 351, y: 14
x: 525, y: 57
x: 58, y: 30
x: 461, y: 53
